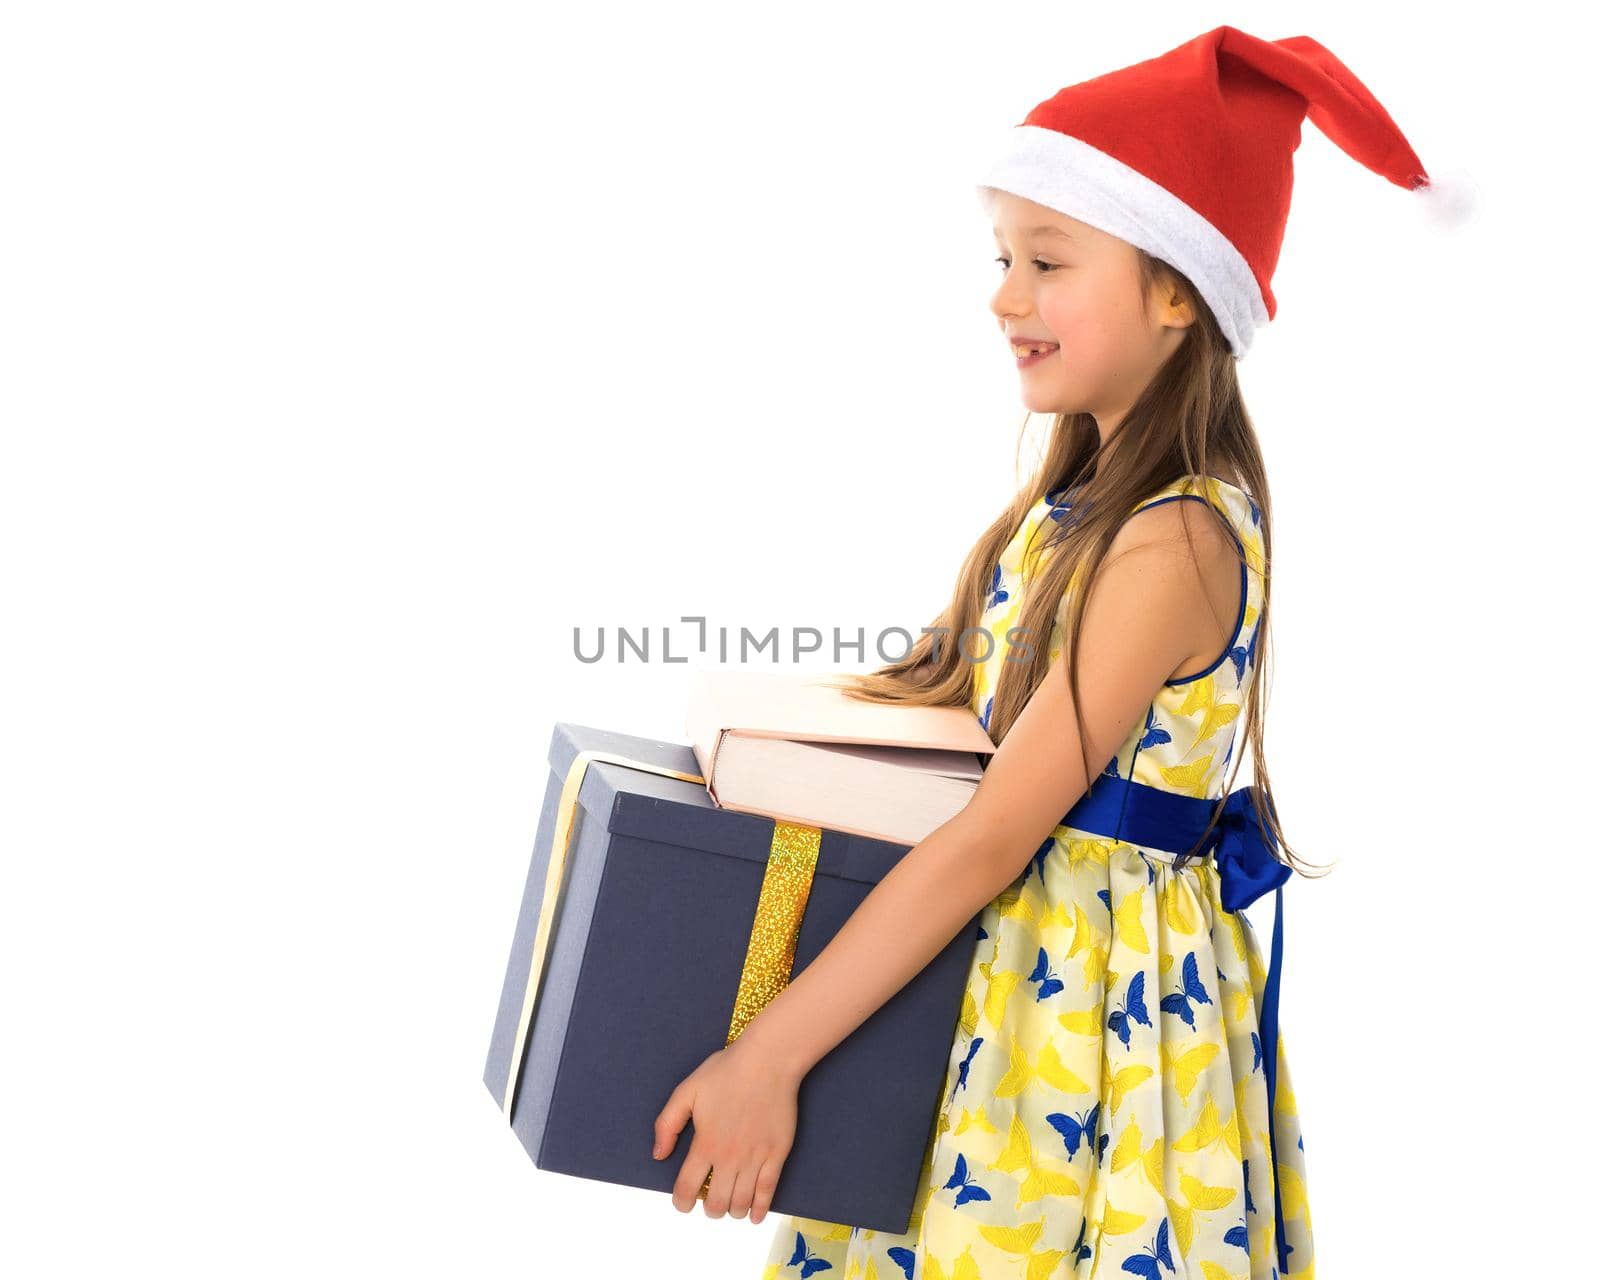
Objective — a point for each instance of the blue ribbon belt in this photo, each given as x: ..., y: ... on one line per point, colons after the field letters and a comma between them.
x: 1247, y: 868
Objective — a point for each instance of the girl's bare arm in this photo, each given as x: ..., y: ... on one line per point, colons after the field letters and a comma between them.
x: 1148, y: 614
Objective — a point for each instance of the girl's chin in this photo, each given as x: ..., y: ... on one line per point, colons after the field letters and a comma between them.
x: 1037, y: 400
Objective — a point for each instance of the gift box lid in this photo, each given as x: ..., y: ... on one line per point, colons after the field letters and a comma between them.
x: 669, y: 811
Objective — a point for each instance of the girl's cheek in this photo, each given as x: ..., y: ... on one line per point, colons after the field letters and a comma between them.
x: 1090, y: 335
x: 1059, y: 315
x: 1079, y: 336
x: 1070, y: 321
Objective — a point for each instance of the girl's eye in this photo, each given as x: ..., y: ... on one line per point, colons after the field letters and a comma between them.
x: 1043, y: 266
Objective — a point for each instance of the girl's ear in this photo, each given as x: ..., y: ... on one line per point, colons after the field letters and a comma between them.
x: 1166, y: 295
x: 1176, y: 310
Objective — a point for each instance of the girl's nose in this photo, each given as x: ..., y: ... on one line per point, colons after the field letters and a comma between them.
x: 1008, y: 303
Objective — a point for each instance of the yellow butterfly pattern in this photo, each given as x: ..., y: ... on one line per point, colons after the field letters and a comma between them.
x: 1105, y: 1104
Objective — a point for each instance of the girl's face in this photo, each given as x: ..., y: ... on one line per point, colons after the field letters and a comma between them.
x: 1077, y: 288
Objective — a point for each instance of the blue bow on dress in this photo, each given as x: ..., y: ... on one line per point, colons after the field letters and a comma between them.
x: 1246, y: 869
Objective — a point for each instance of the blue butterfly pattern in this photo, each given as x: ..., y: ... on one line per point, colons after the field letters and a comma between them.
x: 1048, y: 982
x: 808, y: 1262
x: 1193, y: 989
x: 1132, y: 1010
x: 1160, y: 1256
x: 963, y: 1184
x: 1078, y: 1130
x: 997, y: 593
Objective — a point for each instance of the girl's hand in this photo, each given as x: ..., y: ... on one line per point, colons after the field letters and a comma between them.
x: 744, y: 1105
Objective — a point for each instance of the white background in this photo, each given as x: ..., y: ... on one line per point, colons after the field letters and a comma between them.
x: 356, y: 353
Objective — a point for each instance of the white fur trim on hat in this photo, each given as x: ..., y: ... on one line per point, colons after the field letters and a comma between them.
x: 1070, y: 176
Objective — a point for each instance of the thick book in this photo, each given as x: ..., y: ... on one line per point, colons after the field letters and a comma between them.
x: 798, y: 749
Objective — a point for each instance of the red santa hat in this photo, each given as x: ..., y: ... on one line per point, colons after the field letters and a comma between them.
x: 1190, y: 156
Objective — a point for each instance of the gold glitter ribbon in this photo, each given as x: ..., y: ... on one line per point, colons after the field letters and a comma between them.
x: 769, y: 953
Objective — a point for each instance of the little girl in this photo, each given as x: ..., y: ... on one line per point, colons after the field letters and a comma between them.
x: 1117, y: 1098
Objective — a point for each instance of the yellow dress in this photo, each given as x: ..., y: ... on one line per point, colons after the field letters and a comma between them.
x: 1105, y: 1110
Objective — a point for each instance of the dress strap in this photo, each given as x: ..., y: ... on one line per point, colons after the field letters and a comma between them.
x: 1236, y: 506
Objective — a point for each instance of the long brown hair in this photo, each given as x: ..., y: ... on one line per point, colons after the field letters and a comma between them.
x: 1190, y: 419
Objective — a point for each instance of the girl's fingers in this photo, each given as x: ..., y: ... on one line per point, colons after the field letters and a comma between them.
x: 716, y: 1201
x: 691, y: 1177
x: 672, y: 1117
x: 744, y: 1186
x: 766, y: 1183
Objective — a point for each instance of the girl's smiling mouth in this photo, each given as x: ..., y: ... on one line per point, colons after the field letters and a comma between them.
x: 1030, y: 353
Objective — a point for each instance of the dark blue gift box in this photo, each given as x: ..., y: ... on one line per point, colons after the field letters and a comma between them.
x: 652, y: 920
